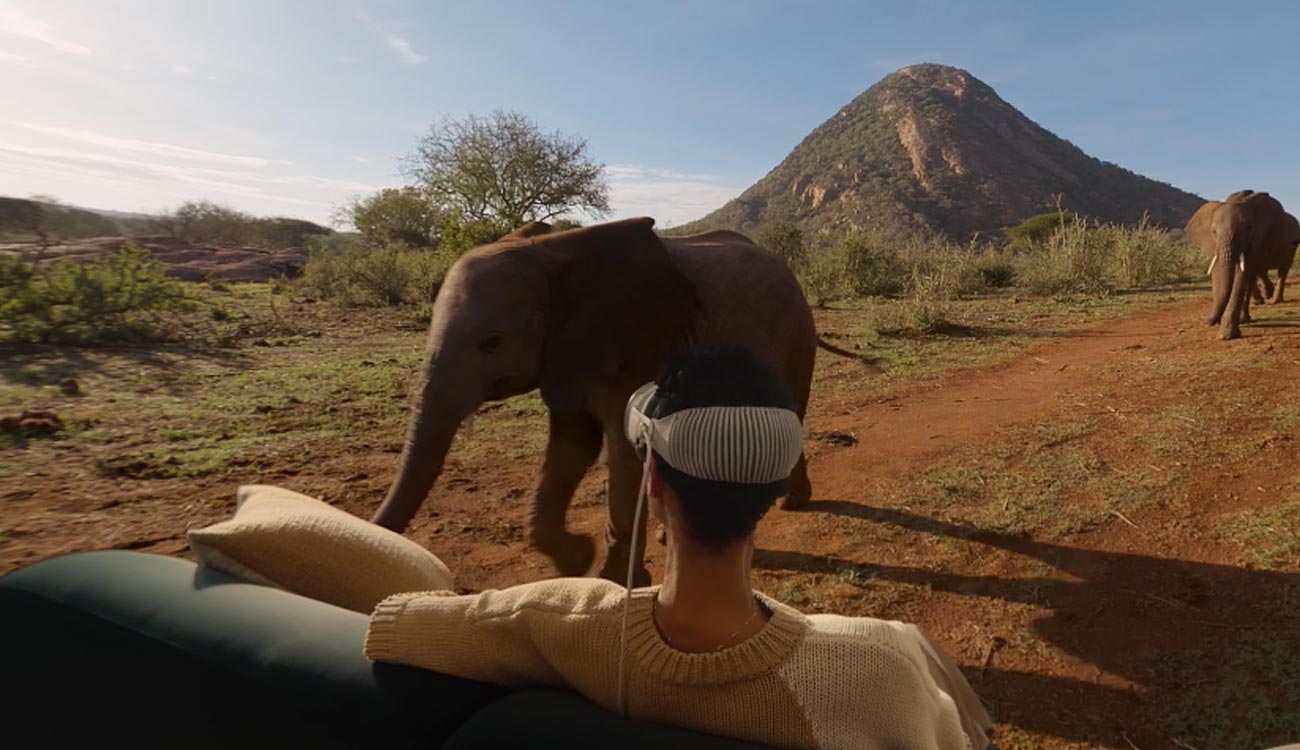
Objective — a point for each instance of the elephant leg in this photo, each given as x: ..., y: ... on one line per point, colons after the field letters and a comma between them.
x: 1267, y: 294
x: 624, y: 485
x: 800, y: 487
x: 1238, y: 302
x: 1281, y: 282
x: 573, y: 447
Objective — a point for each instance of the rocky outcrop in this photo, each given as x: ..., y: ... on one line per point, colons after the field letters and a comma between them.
x: 933, y: 147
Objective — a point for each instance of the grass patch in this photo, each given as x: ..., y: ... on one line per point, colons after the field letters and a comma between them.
x: 1053, y: 482
x: 1270, y: 538
x: 915, y: 338
x: 516, y: 427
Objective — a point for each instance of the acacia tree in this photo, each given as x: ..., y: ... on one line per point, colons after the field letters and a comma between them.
x: 403, y: 215
x: 504, y: 169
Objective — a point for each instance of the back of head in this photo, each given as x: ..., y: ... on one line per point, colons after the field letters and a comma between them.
x: 715, y: 512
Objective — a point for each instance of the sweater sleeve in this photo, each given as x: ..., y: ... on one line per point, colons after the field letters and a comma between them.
x: 975, y: 720
x: 507, y: 637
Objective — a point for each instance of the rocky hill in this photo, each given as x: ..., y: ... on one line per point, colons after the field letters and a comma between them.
x: 932, y: 147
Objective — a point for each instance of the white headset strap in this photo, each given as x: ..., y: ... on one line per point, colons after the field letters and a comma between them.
x: 627, y: 598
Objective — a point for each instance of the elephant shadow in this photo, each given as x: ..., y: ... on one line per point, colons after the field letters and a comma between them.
x: 1135, y: 625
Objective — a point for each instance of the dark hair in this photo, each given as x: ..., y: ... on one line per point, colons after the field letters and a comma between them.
x: 717, y: 513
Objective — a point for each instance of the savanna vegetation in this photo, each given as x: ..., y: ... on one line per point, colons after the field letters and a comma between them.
x: 1000, y: 541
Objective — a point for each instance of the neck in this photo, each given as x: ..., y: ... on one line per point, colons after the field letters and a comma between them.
x: 705, y: 602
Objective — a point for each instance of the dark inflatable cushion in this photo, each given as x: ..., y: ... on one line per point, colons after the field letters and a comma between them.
x: 562, y: 719
x: 150, y: 649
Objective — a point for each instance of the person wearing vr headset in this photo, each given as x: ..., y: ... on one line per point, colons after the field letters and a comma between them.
x: 719, y: 435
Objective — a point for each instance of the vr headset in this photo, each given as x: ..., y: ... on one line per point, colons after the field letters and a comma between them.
x: 744, y: 444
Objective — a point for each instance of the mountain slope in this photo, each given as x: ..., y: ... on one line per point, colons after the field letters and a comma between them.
x: 933, y: 147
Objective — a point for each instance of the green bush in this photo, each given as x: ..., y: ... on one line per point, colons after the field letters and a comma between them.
x: 823, y: 276
x: 379, y: 277
x: 871, y: 267
x: 459, y: 236
x: 1074, y: 260
x: 1038, y: 229
x: 995, y: 271
x: 1084, y: 258
x: 1145, y: 256
x: 120, y: 297
x: 785, y: 240
x: 924, y: 309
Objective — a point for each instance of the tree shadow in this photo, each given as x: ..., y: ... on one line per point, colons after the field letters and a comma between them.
x: 50, y: 364
x: 1132, y: 617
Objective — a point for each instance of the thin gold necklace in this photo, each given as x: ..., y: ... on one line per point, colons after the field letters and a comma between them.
x: 654, y: 614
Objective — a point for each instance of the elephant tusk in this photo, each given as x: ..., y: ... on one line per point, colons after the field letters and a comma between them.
x: 1213, y: 260
x: 467, y: 428
x: 1241, y: 263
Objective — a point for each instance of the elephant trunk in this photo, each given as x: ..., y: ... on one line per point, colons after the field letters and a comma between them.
x: 1238, y: 276
x: 434, y: 422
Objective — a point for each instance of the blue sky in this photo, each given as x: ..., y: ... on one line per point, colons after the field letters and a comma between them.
x: 293, y: 107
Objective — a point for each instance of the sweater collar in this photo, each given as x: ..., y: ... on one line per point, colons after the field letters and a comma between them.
x: 766, y: 650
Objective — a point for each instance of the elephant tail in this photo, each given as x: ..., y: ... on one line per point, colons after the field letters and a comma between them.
x: 872, y: 362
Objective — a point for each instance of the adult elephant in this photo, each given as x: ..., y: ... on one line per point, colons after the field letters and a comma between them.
x: 587, y: 316
x: 1239, y: 234
x: 1281, y: 259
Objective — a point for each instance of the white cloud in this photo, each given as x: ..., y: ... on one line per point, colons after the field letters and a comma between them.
x: 181, y: 182
x: 17, y: 23
x: 322, y: 182
x: 13, y: 59
x: 669, y: 196
x: 181, y: 69
x: 145, y: 147
x: 396, y: 43
x: 361, y: 160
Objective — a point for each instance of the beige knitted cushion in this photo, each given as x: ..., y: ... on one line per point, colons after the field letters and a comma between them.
x: 294, y: 542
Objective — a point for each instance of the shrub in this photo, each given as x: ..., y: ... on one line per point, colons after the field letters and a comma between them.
x: 923, y: 310
x: 785, y: 240
x: 995, y: 270
x: 1074, y: 260
x: 1146, y: 256
x: 119, y: 297
x: 1038, y: 229
x: 1084, y: 258
x: 458, y: 236
x: 379, y: 277
x: 823, y: 276
x: 871, y: 268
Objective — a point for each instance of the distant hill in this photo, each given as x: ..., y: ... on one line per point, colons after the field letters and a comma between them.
x: 931, y: 147
x: 62, y: 221
x: 201, y: 222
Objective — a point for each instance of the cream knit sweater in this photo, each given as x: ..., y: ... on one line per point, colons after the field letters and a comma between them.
x: 819, y: 681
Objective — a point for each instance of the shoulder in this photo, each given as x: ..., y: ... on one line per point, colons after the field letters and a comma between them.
x: 888, y: 644
x: 559, y: 595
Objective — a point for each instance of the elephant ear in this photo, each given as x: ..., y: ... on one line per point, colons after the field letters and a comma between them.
x: 1291, y: 227
x: 1199, y: 228
x: 619, y: 308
